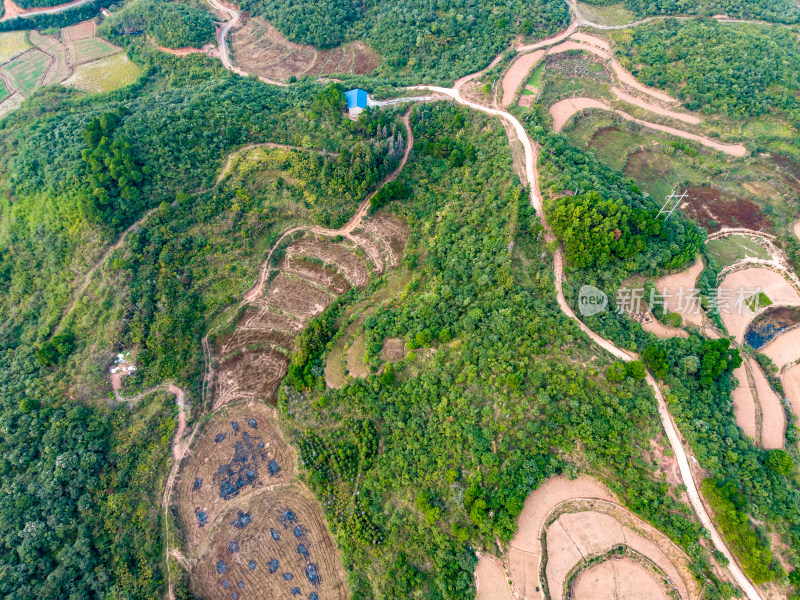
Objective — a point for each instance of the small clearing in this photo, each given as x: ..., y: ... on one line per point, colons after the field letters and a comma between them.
x: 713, y: 209
x: 355, y: 358
x: 737, y: 248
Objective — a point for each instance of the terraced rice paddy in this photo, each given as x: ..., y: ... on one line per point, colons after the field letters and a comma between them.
x: 104, y: 75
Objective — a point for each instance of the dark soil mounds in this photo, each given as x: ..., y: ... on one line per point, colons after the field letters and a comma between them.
x: 713, y: 209
x: 769, y: 324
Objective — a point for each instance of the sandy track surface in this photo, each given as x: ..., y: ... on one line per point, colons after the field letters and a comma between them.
x: 654, y: 108
x: 562, y: 111
x: 517, y: 74
x: 796, y: 229
x: 744, y: 404
x: 737, y: 315
x: 491, y: 581
x: 773, y: 419
x: 658, y: 329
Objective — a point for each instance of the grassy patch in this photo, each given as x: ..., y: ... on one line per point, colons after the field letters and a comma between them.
x: 104, y: 75
x: 536, y: 76
x: 4, y: 93
x: 93, y: 49
x: 756, y: 301
x: 734, y: 248
x: 612, y: 14
x: 13, y: 43
x: 27, y: 70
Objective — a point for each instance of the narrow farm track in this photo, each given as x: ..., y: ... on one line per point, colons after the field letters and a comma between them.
x: 12, y: 11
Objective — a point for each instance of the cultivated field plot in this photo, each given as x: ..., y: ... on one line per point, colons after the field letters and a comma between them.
x: 744, y: 403
x: 295, y: 296
x: 4, y: 93
x: 104, y: 75
x: 238, y: 454
x: 350, y: 266
x: 59, y: 68
x: 26, y: 72
x: 742, y: 286
x: 274, y: 544
x: 784, y: 349
x: 621, y: 579
x: 582, y: 518
x: 261, y: 49
x: 85, y: 51
x: 713, y: 209
x: 791, y: 386
x: 13, y: 43
x: 490, y: 580
x: 392, y: 232
x: 253, y: 374
x: 773, y: 419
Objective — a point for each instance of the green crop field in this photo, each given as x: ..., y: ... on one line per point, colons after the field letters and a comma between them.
x: 13, y: 43
x: 27, y: 70
x: 105, y: 75
x: 734, y: 248
x: 92, y: 49
x: 3, y: 91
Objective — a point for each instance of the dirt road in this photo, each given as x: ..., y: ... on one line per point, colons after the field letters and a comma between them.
x: 12, y: 11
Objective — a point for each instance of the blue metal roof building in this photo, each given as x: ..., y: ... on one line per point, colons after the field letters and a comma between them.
x: 356, y: 100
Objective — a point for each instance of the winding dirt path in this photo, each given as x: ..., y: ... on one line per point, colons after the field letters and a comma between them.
x: 12, y: 11
x: 563, y: 110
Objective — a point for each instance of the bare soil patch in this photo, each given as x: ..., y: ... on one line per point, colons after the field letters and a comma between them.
x: 393, y: 349
x: 237, y: 454
x: 773, y: 419
x: 267, y: 318
x: 355, y: 358
x: 669, y: 285
x: 320, y: 274
x: 334, y: 254
x: 283, y: 551
x: 296, y: 297
x: 791, y: 387
x: 491, y: 582
x: 517, y: 74
x: 392, y: 231
x: 261, y: 49
x: 250, y: 375
x: 744, y: 404
x: 372, y: 247
x: 784, y: 349
x: 621, y: 579
x: 713, y: 209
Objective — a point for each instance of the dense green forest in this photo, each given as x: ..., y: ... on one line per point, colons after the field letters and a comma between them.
x: 740, y: 70
x: 773, y: 11
x: 77, y: 171
x: 170, y: 24
x: 416, y: 38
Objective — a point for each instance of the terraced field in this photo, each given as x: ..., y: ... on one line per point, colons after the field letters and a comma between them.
x: 4, y: 93
x: 26, y: 71
x: 261, y: 49
x: 104, y: 75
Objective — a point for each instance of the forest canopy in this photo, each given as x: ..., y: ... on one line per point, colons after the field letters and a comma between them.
x: 740, y: 70
x: 170, y: 24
